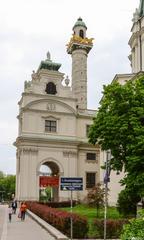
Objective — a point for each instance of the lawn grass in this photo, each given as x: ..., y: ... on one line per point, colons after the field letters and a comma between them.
x: 91, y: 213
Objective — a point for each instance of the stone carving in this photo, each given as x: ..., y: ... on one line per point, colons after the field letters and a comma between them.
x: 136, y: 16
x: 80, y: 40
x: 51, y: 107
x: 27, y: 84
x: 48, y: 56
x: 69, y: 153
x: 34, y: 75
x: 29, y: 150
x: 67, y: 81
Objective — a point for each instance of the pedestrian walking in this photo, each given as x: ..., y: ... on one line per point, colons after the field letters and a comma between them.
x: 23, y: 208
x: 14, y: 205
x: 10, y: 213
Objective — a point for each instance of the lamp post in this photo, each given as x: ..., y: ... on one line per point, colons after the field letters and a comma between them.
x: 106, y: 180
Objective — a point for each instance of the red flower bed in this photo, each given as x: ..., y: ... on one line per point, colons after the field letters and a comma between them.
x: 60, y: 219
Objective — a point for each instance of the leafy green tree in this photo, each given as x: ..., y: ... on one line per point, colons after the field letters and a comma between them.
x: 127, y: 203
x: 135, y: 229
x: 95, y: 197
x: 48, y: 193
x: 119, y: 126
x: 1, y: 174
x: 7, y: 187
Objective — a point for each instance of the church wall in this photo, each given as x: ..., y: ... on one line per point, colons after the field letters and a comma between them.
x: 114, y: 187
x: 34, y: 123
x: 82, y: 126
x: 27, y: 175
x: 85, y: 166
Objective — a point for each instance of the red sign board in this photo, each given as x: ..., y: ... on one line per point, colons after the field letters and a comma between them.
x: 46, y: 181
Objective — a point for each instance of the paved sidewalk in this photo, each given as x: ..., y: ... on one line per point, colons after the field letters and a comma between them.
x: 22, y: 230
x: 2, y: 217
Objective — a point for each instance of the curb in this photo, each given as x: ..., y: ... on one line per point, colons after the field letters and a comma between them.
x: 53, y: 231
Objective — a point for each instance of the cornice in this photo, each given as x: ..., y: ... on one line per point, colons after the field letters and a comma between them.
x: 49, y: 73
x: 86, y: 116
x: 49, y: 97
x: 47, y: 139
x: 89, y: 147
x: 46, y: 112
x: 127, y: 75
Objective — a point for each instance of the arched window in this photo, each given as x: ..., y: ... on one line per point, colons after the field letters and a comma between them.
x: 81, y: 33
x: 51, y: 88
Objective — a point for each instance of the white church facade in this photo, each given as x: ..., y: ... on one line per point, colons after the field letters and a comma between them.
x: 54, y: 120
x: 53, y: 125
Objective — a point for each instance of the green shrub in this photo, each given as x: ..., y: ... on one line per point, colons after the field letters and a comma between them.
x: 127, y: 203
x: 134, y: 229
x: 113, y: 227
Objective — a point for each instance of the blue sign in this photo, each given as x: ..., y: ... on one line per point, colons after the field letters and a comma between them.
x: 71, y: 184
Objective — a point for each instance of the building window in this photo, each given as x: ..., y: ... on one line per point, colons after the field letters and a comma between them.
x: 50, y: 126
x: 91, y: 156
x: 51, y: 88
x: 90, y: 179
x: 87, y: 129
x: 81, y: 33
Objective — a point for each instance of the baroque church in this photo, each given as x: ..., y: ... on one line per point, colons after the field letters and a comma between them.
x: 54, y: 121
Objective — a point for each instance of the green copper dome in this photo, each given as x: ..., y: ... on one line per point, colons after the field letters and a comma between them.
x: 48, y: 64
x: 80, y: 23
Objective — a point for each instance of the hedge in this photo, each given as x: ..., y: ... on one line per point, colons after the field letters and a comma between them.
x: 62, y: 204
x: 60, y: 219
x: 113, y: 227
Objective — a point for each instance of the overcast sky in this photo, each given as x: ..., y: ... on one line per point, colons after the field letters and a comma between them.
x: 29, y: 28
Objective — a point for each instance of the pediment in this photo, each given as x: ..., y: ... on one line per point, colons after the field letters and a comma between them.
x: 50, y: 106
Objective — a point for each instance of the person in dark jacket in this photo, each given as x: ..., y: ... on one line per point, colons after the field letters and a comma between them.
x: 14, y: 206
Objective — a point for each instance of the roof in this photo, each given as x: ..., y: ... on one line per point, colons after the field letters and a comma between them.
x: 49, y: 65
x: 80, y: 23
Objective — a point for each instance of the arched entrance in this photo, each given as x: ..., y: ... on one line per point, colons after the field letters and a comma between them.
x: 49, y: 181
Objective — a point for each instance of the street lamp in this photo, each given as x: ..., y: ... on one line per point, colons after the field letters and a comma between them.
x: 106, y: 180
